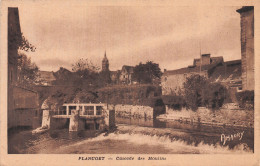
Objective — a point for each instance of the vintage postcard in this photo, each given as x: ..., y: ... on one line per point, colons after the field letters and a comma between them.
x: 129, y: 82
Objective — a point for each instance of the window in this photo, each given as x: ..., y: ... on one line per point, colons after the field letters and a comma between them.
x: 80, y: 110
x: 63, y: 110
x: 99, y: 110
x: 71, y: 108
x: 89, y: 110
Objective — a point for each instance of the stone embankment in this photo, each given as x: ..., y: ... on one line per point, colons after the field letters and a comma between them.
x: 135, y: 111
x: 223, y: 116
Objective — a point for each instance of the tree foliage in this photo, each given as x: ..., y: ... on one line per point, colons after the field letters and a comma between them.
x: 84, y: 65
x: 26, y: 45
x: 87, y: 74
x: 27, y: 71
x: 147, y: 73
x: 198, y: 91
x: 246, y: 99
x: 104, y: 78
x: 193, y: 91
x: 17, y: 40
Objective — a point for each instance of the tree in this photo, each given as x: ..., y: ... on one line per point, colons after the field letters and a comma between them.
x: 198, y: 91
x: 215, y: 95
x: 83, y: 65
x: 27, y: 71
x: 246, y: 99
x: 17, y: 40
x: 147, y: 73
x: 193, y: 91
x: 86, y: 73
x: 84, y: 68
x: 104, y: 78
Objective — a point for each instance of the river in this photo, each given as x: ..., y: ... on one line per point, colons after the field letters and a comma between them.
x: 136, y: 136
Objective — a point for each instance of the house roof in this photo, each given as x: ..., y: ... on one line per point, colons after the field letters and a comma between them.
x: 231, y: 70
x: 115, y: 72
x: 62, y: 73
x: 215, y: 61
x: 245, y: 9
x: 47, y: 75
x: 128, y: 68
x: 190, y: 69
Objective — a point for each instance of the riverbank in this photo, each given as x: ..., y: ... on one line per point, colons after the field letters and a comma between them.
x: 223, y: 116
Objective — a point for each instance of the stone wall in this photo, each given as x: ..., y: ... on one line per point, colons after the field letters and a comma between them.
x: 227, y: 116
x: 23, y: 118
x: 247, y: 49
x: 174, y: 83
x: 136, y: 111
x: 23, y: 108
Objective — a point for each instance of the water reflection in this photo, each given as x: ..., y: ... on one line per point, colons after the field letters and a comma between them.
x: 182, y: 125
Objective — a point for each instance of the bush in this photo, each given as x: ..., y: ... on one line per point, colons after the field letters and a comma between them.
x: 246, y: 99
x: 215, y: 95
x: 194, y: 88
x: 173, y: 101
x: 130, y: 94
x: 198, y: 92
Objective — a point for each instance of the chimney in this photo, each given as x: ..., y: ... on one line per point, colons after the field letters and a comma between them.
x: 205, y: 59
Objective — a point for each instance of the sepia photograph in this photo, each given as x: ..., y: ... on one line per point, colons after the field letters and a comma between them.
x: 139, y: 80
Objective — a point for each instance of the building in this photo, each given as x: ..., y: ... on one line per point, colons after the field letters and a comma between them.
x: 23, y: 107
x: 247, y: 46
x: 213, y: 68
x: 105, y: 64
x: 123, y: 76
x: 46, y: 77
x: 115, y: 76
x: 126, y: 74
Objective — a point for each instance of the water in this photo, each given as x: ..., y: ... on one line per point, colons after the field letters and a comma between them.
x: 135, y: 136
x: 197, y: 133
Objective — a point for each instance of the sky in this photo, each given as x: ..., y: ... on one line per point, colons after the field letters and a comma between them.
x: 171, y: 36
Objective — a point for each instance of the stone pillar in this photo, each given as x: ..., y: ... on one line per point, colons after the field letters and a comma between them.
x: 74, y: 120
x: 109, y: 119
x: 46, y: 118
x: 67, y: 110
x: 81, y: 124
x: 95, y: 110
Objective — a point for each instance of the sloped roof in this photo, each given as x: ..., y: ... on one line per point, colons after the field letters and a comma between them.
x: 190, y: 69
x: 63, y: 73
x: 115, y: 72
x: 47, y: 75
x: 231, y: 70
x: 129, y: 69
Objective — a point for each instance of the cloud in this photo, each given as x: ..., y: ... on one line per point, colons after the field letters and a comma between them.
x: 170, y: 36
x: 51, y: 63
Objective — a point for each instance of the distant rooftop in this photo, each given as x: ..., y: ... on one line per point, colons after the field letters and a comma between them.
x: 47, y: 75
x: 245, y: 9
x: 214, y: 63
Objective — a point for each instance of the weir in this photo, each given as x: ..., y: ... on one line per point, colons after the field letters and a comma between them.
x: 81, y: 116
